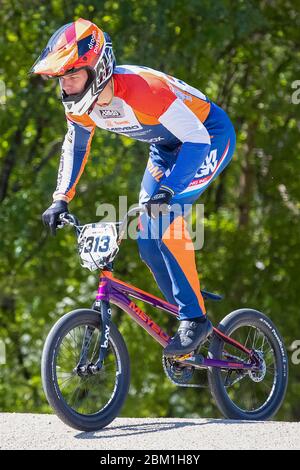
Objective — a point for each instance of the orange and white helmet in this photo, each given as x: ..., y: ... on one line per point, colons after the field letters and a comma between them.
x: 74, y: 46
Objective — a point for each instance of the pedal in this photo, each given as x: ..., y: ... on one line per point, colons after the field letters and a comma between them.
x: 184, y: 357
x: 195, y: 360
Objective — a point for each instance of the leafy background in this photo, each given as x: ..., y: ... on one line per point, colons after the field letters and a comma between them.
x: 245, y: 56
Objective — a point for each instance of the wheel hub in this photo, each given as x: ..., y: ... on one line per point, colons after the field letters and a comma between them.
x: 86, y: 370
x: 259, y: 375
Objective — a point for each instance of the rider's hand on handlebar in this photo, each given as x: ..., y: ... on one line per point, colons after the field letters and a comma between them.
x: 51, y: 216
x: 159, y: 203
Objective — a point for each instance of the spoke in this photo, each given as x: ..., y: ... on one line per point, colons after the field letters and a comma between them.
x: 88, y: 394
x: 85, y: 347
x: 266, y: 385
x: 65, y: 375
x: 254, y: 339
x: 74, y: 393
x: 79, y: 341
x: 96, y: 346
x: 269, y: 351
x: 68, y: 349
x: 64, y: 383
x: 263, y: 343
x: 248, y: 337
x: 248, y: 394
x: 73, y: 337
x: 110, y: 365
x: 62, y: 359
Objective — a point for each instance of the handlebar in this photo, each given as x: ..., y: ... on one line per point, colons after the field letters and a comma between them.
x: 123, y: 224
x: 67, y: 218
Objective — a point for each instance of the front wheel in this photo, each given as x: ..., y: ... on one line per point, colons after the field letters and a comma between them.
x: 249, y: 395
x: 85, y: 402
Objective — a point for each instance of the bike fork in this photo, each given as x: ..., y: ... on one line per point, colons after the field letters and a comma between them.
x: 82, y: 367
x: 105, y: 318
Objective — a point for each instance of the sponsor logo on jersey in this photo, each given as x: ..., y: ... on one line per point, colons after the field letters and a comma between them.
x: 136, y: 134
x: 153, y: 140
x: 180, y: 94
x: 155, y: 171
x: 123, y: 129
x: 60, y: 169
x: 209, y: 165
x: 117, y: 123
x: 70, y: 135
x: 109, y: 113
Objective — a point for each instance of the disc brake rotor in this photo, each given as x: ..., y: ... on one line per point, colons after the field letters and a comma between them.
x: 259, y: 375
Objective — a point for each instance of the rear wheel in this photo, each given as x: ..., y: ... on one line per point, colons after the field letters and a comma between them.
x: 244, y: 394
x: 86, y: 402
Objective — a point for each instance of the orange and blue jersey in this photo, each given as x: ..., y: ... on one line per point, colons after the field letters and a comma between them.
x: 191, y: 141
x: 149, y: 106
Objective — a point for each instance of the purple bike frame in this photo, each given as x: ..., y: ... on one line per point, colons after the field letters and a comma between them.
x: 118, y: 293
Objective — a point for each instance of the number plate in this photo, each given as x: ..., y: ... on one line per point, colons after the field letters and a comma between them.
x: 97, y: 245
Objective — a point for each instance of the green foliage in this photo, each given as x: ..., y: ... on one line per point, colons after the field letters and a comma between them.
x: 245, y: 56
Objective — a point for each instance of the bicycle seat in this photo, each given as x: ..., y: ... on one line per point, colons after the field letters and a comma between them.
x: 211, y: 296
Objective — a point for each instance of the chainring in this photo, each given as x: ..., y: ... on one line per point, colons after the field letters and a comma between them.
x: 178, y: 374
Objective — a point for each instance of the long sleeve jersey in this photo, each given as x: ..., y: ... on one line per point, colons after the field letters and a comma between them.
x: 149, y: 106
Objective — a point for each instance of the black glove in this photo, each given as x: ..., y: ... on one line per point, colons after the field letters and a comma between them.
x: 50, y: 216
x: 159, y: 203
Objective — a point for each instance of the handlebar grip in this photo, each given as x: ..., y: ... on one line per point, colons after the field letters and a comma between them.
x: 66, y: 218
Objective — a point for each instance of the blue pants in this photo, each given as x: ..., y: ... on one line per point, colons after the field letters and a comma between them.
x: 163, y: 241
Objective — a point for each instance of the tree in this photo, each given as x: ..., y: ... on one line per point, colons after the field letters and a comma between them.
x: 244, y: 56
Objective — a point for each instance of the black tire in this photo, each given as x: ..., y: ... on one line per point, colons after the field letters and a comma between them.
x: 229, y: 325
x: 84, y: 422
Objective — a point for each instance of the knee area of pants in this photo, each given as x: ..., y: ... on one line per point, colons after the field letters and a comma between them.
x: 145, y: 247
x: 149, y: 254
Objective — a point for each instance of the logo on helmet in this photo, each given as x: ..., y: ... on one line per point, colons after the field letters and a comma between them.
x: 95, y: 42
